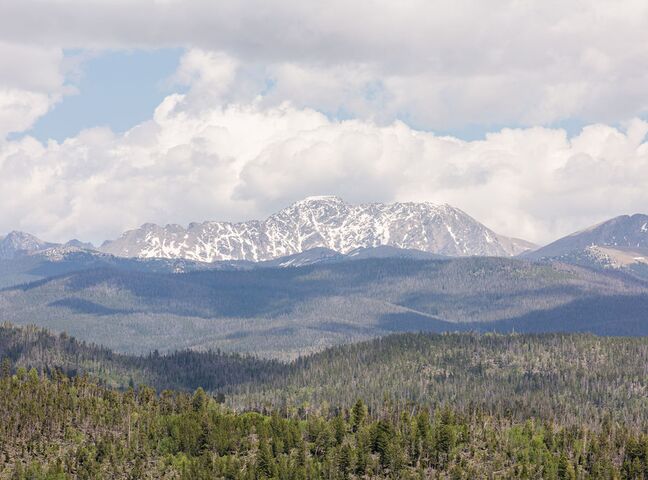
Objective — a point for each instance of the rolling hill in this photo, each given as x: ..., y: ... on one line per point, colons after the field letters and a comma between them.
x: 284, y: 312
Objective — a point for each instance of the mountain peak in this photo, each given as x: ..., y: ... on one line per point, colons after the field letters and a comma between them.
x: 322, y: 221
x: 18, y: 243
x: 624, y: 231
x: 321, y: 198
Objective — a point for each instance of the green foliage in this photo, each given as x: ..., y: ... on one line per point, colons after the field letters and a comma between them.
x: 64, y: 428
x: 406, y: 406
x: 566, y: 378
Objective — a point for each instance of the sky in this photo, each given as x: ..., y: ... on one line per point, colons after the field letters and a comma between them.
x: 531, y: 116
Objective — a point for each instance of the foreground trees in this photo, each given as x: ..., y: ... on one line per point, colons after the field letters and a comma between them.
x: 58, y: 427
x: 458, y: 406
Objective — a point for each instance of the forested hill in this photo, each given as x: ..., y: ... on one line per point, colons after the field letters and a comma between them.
x: 288, y: 312
x: 565, y: 377
x: 35, y: 347
x: 569, y: 378
x: 553, y: 407
x: 59, y: 429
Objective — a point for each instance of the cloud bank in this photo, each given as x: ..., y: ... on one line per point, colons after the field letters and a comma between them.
x: 206, y: 155
x: 32, y: 80
x: 284, y: 99
x: 437, y: 65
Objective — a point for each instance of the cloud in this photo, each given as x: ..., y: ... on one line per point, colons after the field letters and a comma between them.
x: 436, y: 65
x: 230, y: 159
x: 19, y: 109
x: 31, y: 82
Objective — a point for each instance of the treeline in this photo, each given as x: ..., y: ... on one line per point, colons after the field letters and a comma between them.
x: 63, y: 428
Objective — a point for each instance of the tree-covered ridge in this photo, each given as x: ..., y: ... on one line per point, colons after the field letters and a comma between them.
x: 35, y: 347
x: 60, y: 428
x: 287, y: 312
x: 569, y: 378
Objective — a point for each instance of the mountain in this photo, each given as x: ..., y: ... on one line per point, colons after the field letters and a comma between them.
x: 284, y: 312
x: 320, y: 222
x: 79, y: 244
x: 16, y: 244
x: 621, y: 232
x: 65, y: 259
x: 619, y: 244
x: 19, y: 244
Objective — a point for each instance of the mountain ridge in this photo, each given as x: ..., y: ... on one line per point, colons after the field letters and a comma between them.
x: 625, y: 231
x: 320, y: 221
x: 620, y: 243
x: 285, y: 312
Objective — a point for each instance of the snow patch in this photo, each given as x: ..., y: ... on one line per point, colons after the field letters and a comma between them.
x: 320, y: 221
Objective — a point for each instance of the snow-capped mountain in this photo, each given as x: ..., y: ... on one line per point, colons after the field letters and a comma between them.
x: 20, y: 243
x: 623, y: 232
x: 320, y: 222
x: 617, y: 244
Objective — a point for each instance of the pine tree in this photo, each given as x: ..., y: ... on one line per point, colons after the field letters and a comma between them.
x: 358, y: 415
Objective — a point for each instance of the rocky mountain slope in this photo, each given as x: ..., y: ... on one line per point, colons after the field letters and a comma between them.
x: 625, y: 231
x: 20, y: 243
x: 321, y: 222
x: 619, y: 244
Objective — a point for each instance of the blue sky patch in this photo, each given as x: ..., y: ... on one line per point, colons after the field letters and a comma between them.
x: 118, y: 89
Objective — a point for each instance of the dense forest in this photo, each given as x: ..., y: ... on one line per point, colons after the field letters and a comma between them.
x: 34, y: 347
x: 456, y: 406
x: 569, y: 378
x: 59, y: 428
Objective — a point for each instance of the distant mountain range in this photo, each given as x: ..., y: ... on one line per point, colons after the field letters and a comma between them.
x: 315, y: 222
x: 326, y: 229
x: 321, y: 222
x: 283, y: 312
x: 315, y: 296
x: 64, y: 259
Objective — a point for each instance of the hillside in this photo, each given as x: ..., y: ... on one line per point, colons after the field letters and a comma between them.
x: 61, y: 428
x: 32, y: 347
x: 289, y: 311
x: 566, y: 378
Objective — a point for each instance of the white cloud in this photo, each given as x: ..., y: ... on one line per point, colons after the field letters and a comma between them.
x: 237, y: 160
x: 265, y: 79
x: 19, y: 109
x: 31, y: 82
x: 438, y: 65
